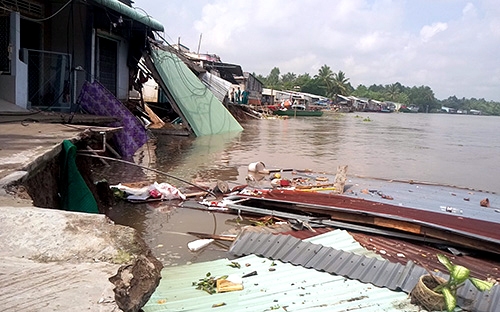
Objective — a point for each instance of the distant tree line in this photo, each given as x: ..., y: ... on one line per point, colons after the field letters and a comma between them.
x: 328, y: 84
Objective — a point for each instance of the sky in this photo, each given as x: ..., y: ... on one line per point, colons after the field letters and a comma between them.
x: 452, y: 46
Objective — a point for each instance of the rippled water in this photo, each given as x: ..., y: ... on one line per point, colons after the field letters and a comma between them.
x: 449, y: 149
x: 439, y: 148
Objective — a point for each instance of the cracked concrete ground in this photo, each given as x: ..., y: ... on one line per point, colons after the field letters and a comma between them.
x: 53, y: 260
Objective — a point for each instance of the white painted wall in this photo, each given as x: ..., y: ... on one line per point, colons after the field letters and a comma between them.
x: 14, y: 87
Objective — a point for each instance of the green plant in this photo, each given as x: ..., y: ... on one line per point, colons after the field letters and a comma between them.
x: 209, y: 283
x: 458, y: 276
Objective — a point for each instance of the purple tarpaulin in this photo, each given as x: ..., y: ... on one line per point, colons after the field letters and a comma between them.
x: 97, y: 100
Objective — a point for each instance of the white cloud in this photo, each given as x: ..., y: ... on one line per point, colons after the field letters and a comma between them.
x: 427, y: 32
x: 469, y: 11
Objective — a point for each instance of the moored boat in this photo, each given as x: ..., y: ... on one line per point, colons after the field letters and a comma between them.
x: 298, y: 111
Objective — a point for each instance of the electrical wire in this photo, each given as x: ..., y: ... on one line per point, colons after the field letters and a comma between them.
x: 41, y: 19
x: 83, y: 153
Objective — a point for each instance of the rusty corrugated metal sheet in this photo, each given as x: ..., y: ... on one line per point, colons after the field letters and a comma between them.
x: 461, y: 230
x: 482, y: 266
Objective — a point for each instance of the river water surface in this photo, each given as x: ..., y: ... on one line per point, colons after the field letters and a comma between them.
x: 458, y: 150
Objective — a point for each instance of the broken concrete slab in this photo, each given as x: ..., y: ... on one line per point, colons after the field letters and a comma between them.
x: 62, y: 261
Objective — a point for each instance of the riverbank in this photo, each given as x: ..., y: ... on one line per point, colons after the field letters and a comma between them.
x: 53, y: 260
x: 60, y: 261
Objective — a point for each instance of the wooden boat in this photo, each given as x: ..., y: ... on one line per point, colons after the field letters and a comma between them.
x: 298, y: 111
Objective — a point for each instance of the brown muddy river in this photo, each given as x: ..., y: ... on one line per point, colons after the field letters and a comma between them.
x: 439, y: 148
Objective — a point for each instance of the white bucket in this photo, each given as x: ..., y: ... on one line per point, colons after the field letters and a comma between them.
x: 257, y: 167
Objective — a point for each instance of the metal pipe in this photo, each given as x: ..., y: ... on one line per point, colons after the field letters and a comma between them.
x: 147, y: 168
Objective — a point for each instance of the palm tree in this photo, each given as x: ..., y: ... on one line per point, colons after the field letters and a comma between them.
x: 340, y: 84
x: 325, y: 78
x: 273, y: 79
x: 392, y: 91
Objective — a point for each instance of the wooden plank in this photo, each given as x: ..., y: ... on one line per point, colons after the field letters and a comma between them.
x: 398, y: 225
x: 352, y: 217
x: 213, y: 236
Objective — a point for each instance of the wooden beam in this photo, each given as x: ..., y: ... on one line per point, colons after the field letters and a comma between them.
x: 213, y: 236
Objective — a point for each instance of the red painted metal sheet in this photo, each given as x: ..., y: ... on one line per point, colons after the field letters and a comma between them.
x: 488, y: 231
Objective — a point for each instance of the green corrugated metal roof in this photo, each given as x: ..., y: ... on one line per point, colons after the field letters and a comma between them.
x: 204, y: 113
x: 130, y: 12
x: 288, y: 287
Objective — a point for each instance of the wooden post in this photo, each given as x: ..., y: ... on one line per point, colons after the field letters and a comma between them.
x: 340, y: 179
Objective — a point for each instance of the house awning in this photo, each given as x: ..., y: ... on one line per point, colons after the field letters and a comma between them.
x: 130, y: 12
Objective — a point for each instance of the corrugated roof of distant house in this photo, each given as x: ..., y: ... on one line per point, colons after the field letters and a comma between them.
x: 288, y: 287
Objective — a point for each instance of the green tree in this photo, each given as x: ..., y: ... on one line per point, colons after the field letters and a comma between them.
x: 260, y: 78
x: 340, y: 84
x: 325, y: 79
x: 288, y: 81
x: 273, y: 79
x: 392, y: 92
x: 423, y: 97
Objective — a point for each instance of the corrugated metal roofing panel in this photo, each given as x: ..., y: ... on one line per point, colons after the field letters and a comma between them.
x: 382, y: 273
x: 289, y: 287
x: 196, y: 104
x: 342, y: 240
x: 217, y: 85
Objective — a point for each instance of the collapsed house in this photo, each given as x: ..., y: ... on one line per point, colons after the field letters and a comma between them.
x: 365, y: 249
x: 102, y: 42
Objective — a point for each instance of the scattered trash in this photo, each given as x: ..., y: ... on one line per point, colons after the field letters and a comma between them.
x: 222, y: 187
x: 253, y: 273
x: 485, y: 202
x: 386, y: 196
x: 139, y: 192
x: 234, y: 264
x: 457, y: 252
x: 208, y: 283
x: 258, y: 167
x: 231, y: 283
x: 216, y: 305
x: 451, y: 209
x: 199, y: 244
x: 214, y: 204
